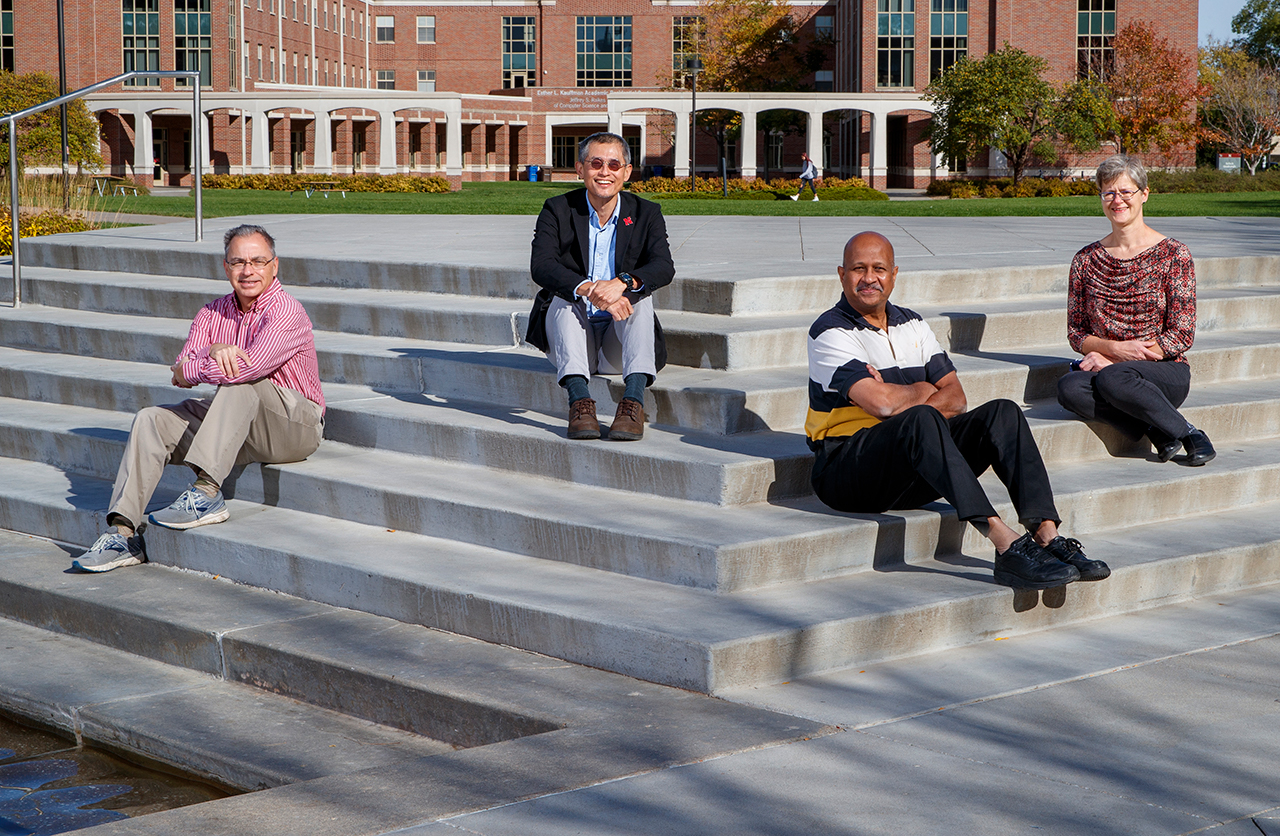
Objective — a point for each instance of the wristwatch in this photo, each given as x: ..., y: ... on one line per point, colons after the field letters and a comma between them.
x: 628, y: 280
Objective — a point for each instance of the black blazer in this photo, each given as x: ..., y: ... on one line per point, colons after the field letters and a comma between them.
x: 560, y: 256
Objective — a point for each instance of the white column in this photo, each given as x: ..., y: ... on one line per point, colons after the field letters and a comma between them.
x: 747, y: 141
x: 259, y: 140
x: 814, y: 136
x: 142, y: 144
x: 387, y: 142
x: 682, y: 142
x: 206, y: 146
x: 879, y: 152
x: 453, y: 139
x: 324, y: 142
x: 615, y: 121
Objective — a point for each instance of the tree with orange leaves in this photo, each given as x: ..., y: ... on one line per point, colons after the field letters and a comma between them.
x: 1153, y: 88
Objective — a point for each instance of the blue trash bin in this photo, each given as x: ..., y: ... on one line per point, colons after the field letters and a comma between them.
x: 533, y: 174
x: 657, y: 170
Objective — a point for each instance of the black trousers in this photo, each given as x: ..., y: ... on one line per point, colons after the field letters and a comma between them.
x: 1131, y: 396
x: 917, y: 456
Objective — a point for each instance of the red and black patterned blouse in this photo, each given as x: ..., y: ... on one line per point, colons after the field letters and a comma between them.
x: 1149, y: 296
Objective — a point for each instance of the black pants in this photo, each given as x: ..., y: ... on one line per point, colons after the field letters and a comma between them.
x: 917, y: 456
x: 1131, y: 396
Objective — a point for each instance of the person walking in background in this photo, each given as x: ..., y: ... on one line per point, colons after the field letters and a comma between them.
x: 1131, y: 313
x: 808, y: 177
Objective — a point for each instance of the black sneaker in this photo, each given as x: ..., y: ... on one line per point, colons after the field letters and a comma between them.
x: 1069, y: 550
x: 1025, y: 565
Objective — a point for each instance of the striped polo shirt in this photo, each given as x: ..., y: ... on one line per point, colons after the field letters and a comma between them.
x: 841, y: 346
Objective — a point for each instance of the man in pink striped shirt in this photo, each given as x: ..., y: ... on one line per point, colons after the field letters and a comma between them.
x: 255, y: 344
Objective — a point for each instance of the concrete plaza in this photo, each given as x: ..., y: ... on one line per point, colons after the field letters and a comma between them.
x: 1162, y: 720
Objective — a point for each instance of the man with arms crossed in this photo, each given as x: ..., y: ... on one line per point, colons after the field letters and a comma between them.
x: 888, y: 425
x: 598, y: 255
x: 255, y: 344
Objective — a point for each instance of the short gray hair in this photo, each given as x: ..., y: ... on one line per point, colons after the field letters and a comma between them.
x: 604, y: 136
x: 244, y: 231
x: 1112, y: 168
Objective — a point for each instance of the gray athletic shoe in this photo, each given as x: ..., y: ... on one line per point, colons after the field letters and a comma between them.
x: 111, y: 551
x: 193, y: 509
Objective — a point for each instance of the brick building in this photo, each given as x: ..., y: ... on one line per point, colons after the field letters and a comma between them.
x: 477, y: 90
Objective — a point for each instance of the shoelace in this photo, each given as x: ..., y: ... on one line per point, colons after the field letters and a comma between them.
x: 111, y: 541
x: 188, y: 501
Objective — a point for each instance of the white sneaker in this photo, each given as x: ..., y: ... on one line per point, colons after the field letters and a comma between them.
x: 795, y: 197
x: 111, y: 551
x: 815, y: 198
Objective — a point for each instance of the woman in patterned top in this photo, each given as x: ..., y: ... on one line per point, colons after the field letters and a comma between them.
x: 1131, y: 313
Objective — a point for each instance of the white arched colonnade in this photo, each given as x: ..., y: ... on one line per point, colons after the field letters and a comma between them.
x: 319, y: 103
x: 679, y: 102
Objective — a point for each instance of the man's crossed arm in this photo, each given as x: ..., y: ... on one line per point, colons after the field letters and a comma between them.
x: 884, y: 400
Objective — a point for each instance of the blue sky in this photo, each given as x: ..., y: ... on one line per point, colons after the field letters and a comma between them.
x: 1215, y: 18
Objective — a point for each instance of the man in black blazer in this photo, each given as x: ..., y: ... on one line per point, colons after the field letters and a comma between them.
x: 598, y: 255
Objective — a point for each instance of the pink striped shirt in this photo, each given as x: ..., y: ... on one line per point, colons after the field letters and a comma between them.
x: 275, y: 333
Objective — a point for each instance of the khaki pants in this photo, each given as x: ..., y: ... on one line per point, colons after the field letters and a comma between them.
x: 248, y: 422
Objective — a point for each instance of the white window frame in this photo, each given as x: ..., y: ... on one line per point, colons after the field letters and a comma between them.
x: 384, y: 32
x: 426, y: 81
x: 426, y: 29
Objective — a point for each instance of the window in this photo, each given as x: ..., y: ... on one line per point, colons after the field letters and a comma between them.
x: 295, y: 68
x: 306, y: 68
x: 386, y: 29
x: 248, y: 68
x: 564, y: 151
x: 426, y: 28
x: 141, y: 29
x: 519, y: 64
x: 426, y: 81
x: 824, y: 81
x: 386, y: 79
x: 604, y: 51
x: 295, y: 9
x: 773, y: 150
x: 686, y: 35
x: 273, y: 63
x: 192, y: 41
x: 824, y: 27
x: 895, y: 43
x: 259, y: 62
x: 6, y: 35
x: 306, y: 6
x: 948, y: 34
x: 1095, y: 30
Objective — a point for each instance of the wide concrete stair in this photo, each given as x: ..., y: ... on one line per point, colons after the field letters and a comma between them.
x: 447, y: 496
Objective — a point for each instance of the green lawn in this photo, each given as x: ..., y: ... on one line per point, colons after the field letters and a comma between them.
x: 516, y: 198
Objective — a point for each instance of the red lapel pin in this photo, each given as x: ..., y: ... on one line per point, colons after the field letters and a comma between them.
x: 627, y: 221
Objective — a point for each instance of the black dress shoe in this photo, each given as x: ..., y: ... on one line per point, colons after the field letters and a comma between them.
x: 1026, y: 565
x: 1069, y: 550
x: 1199, y: 448
x: 1166, y: 446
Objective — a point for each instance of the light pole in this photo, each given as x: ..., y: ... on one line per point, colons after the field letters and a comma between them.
x: 62, y: 91
x: 693, y: 66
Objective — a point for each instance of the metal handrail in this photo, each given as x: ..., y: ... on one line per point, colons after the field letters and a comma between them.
x: 12, y: 118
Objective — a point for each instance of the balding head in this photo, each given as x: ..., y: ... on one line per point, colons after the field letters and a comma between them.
x: 868, y: 275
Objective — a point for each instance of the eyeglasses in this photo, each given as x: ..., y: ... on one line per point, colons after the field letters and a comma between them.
x: 1123, y: 194
x: 597, y: 163
x: 255, y: 263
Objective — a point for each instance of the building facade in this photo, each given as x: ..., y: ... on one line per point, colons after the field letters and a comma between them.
x: 481, y: 90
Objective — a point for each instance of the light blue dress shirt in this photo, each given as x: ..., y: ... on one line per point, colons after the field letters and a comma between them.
x: 601, y: 243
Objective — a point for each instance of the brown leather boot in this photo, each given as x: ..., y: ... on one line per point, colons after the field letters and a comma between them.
x: 628, y: 423
x: 582, y: 419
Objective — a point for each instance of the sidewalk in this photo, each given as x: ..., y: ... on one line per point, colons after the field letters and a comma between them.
x: 1163, y: 722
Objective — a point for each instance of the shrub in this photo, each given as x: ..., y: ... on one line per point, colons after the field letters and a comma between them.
x: 712, y: 185
x: 992, y: 190
x: 400, y: 183
x: 30, y: 226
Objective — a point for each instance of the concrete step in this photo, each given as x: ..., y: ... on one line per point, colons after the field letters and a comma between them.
x: 703, y: 400
x: 723, y: 470
x: 669, y: 540
x: 257, y: 689
x: 689, y: 637
x: 438, y: 269
x: 693, y: 339
x: 227, y: 732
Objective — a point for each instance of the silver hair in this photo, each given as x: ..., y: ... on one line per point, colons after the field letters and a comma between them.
x: 244, y: 231
x: 1112, y: 168
x: 604, y: 136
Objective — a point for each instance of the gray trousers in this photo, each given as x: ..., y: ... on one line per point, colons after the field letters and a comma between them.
x: 583, y: 346
x: 248, y: 422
